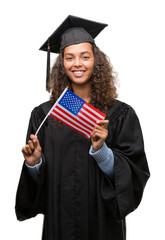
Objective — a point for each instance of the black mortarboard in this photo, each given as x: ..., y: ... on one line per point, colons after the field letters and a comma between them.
x: 73, y: 30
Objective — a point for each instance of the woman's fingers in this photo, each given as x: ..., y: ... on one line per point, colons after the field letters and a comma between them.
x: 103, y: 123
x: 31, y: 145
x: 35, y: 141
x: 102, y: 128
x: 99, y: 133
x: 32, y: 151
x: 29, y: 148
x: 26, y: 150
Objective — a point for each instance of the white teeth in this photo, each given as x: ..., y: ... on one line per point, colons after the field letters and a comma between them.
x: 78, y: 72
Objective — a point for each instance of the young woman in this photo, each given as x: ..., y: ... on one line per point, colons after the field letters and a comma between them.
x: 85, y: 188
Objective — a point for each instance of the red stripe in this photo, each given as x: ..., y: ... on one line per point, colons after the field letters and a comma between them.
x: 90, y: 124
x: 69, y: 125
x: 76, y: 125
x: 95, y: 109
x: 86, y: 115
x: 67, y: 114
x: 96, y: 116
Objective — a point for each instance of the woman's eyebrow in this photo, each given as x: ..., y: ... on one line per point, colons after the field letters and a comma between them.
x: 85, y: 52
x: 68, y: 54
x: 80, y: 53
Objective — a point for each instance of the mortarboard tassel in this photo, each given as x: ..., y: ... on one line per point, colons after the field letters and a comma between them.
x: 48, y: 67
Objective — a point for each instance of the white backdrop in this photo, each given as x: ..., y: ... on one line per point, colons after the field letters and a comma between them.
x: 134, y: 41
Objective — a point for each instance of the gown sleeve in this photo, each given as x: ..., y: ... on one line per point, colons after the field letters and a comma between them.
x: 131, y: 172
x: 30, y: 196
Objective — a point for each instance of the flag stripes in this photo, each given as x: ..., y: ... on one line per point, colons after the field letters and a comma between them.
x: 70, y: 119
x: 79, y: 120
x: 61, y: 119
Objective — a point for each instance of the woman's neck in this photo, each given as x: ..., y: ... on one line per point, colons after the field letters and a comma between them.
x: 83, y: 92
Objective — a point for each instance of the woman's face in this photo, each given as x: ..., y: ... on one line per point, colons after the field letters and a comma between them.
x: 79, y: 63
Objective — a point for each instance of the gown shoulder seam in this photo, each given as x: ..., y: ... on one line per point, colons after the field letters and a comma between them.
x: 121, y: 110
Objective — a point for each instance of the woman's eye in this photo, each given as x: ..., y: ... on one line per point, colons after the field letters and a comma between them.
x: 85, y: 57
x: 69, y: 58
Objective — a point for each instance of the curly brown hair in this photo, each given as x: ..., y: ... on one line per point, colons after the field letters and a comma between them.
x: 103, y: 90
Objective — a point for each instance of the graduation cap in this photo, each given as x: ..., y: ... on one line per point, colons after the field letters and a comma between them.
x: 73, y: 30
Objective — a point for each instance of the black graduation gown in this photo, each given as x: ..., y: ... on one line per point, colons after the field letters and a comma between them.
x: 77, y: 199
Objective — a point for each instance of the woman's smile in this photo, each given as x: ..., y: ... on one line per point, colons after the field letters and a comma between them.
x: 78, y: 73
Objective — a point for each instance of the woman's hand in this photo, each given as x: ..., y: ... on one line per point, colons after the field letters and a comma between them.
x: 32, y: 151
x: 99, y: 134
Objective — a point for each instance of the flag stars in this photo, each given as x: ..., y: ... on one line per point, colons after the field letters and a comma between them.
x: 71, y: 102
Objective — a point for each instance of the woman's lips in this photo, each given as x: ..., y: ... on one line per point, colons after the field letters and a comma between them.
x: 78, y: 73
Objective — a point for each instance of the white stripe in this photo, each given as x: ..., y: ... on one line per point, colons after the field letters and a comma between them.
x: 74, y: 122
x: 83, y: 110
x: 70, y: 124
x: 64, y: 109
x: 96, y: 113
x: 92, y: 122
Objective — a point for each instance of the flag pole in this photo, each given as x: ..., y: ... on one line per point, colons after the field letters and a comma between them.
x: 42, y: 123
x: 51, y: 110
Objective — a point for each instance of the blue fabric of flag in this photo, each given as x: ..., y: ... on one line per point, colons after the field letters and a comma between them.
x: 71, y: 102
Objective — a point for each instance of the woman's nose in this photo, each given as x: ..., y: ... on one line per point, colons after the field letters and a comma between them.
x: 77, y: 62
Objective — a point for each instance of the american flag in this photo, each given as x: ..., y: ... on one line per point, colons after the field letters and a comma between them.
x: 76, y: 113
